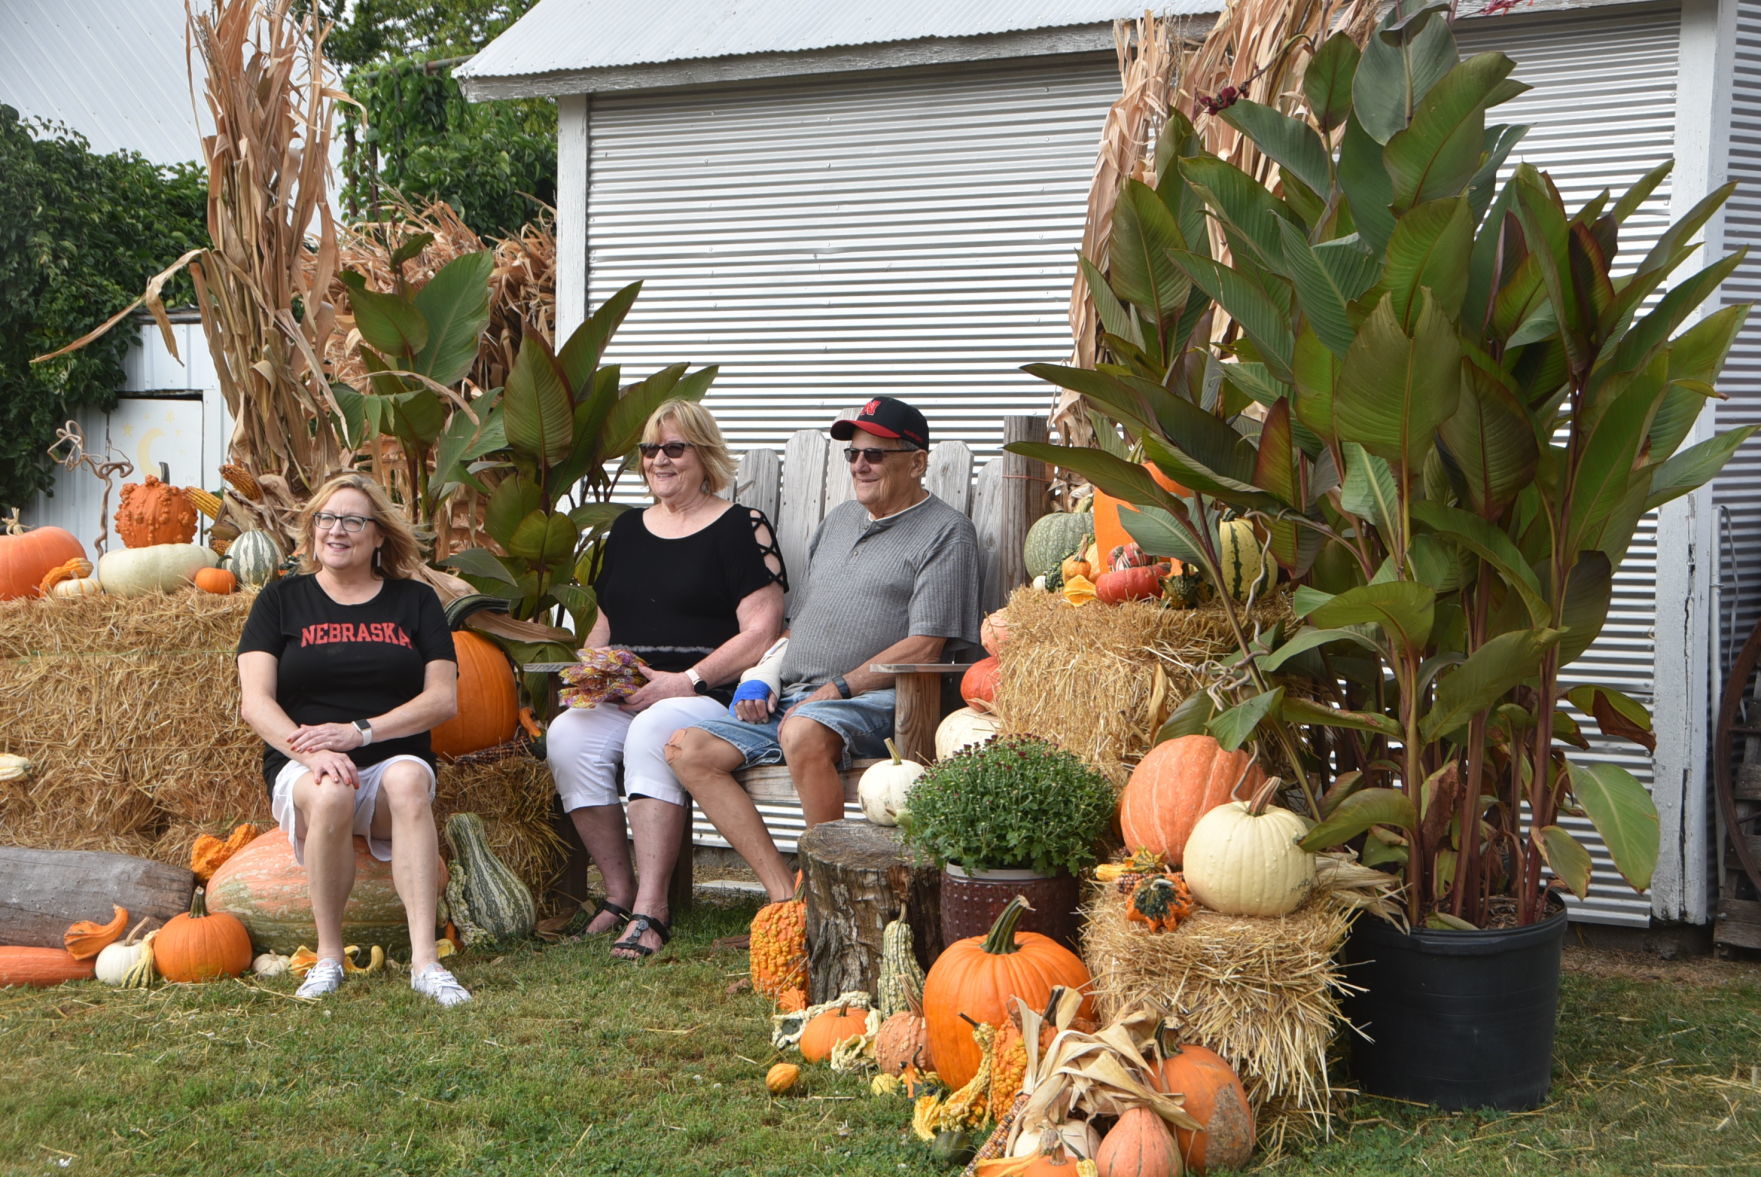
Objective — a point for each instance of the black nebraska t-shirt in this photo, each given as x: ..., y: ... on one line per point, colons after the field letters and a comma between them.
x: 337, y: 663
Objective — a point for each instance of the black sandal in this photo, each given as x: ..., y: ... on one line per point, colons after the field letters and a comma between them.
x: 623, y: 915
x: 631, y: 941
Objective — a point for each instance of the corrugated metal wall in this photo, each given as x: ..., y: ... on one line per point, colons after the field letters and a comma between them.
x: 1603, y: 113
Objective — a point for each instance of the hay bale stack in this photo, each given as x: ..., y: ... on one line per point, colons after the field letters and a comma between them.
x: 1099, y: 679
x: 1261, y: 992
x: 130, y: 710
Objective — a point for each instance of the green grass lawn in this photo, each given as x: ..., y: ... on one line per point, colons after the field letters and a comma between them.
x: 570, y: 1062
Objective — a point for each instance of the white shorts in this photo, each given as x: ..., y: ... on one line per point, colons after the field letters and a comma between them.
x: 281, y: 803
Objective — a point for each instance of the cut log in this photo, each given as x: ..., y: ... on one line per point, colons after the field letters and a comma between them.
x: 43, y: 891
x: 857, y: 877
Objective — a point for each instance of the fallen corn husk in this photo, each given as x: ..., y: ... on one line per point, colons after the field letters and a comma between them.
x: 856, y: 1053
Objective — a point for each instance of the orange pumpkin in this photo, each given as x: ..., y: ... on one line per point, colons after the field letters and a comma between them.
x: 27, y: 556
x: 489, y: 702
x: 1138, y: 1145
x: 153, y: 512
x: 197, y: 946
x: 830, y: 1027
x: 42, y: 967
x: 1176, y: 783
x: 1213, y: 1095
x: 994, y: 632
x: 1130, y: 584
x: 902, y: 1041
x: 977, y: 976
x: 1109, y: 532
x: 216, y: 580
x: 978, y: 686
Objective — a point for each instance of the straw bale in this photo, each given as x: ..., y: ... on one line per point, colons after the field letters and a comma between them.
x: 1100, y: 680
x: 511, y: 791
x: 1262, y: 992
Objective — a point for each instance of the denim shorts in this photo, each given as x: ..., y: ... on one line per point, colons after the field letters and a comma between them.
x: 864, y: 723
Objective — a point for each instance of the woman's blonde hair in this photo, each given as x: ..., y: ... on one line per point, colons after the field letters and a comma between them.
x: 396, y: 559
x: 696, y: 426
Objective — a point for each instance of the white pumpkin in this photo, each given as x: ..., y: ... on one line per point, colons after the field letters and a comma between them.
x: 270, y: 964
x: 84, y: 586
x: 1078, y: 1136
x: 964, y: 728
x: 159, y: 568
x: 884, y: 786
x: 115, y: 960
x: 14, y: 767
x: 1242, y: 858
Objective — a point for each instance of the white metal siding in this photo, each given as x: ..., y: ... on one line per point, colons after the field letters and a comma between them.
x: 1602, y: 113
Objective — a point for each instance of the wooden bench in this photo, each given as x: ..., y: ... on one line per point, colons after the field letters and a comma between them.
x: 795, y: 491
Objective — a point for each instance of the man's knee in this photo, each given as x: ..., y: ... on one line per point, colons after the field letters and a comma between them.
x: 806, y: 739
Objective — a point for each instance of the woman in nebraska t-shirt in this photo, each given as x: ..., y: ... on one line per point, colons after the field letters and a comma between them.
x: 343, y: 669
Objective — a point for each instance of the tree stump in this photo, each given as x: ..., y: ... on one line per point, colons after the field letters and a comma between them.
x: 857, y: 877
x: 43, y: 891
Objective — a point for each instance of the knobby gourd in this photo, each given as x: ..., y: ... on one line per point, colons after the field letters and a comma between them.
x: 486, y: 900
x: 778, y: 947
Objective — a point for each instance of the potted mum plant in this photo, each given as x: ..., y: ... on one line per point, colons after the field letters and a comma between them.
x: 1012, y: 816
x: 1467, y: 401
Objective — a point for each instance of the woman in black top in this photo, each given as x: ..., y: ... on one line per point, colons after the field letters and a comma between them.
x: 343, y: 669
x: 693, y: 584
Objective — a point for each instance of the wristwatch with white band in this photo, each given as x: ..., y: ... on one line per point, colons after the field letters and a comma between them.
x: 366, y: 730
x: 697, y: 683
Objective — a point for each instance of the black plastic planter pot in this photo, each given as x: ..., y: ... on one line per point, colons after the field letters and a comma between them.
x: 1459, y: 1019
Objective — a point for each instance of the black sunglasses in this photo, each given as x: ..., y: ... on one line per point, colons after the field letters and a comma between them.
x: 874, y: 457
x: 672, y: 449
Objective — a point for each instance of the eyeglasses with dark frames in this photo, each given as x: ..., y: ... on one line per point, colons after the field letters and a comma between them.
x: 873, y: 457
x: 672, y: 449
x: 324, y: 521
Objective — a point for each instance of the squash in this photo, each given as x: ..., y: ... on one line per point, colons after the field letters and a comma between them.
x: 116, y: 960
x: 135, y: 572
x: 266, y: 889
x: 974, y: 979
x: 1161, y: 901
x: 255, y: 557
x: 1177, y: 782
x: 488, y: 902
x: 1138, y: 1145
x: 1213, y: 1095
x: 75, y: 569
x: 209, y: 853
x: 828, y: 1028
x: 902, y: 1041
x: 198, y: 946
x: 74, y: 588
x: 489, y: 700
x: 26, y: 556
x: 1242, y: 858
x: 778, y: 947
x: 781, y: 1078
x: 1109, y: 531
x: 218, y: 581
x: 1052, y: 538
x: 143, y: 973
x: 1242, y: 560
x: 1073, y: 566
x: 1184, y: 585
x: 152, y: 513
x: 978, y: 686
x: 993, y: 632
x: 270, y: 964
x: 1129, y: 584
x: 87, y: 938
x: 885, y: 785
x: 42, y: 967
x: 899, y: 985
x: 964, y: 728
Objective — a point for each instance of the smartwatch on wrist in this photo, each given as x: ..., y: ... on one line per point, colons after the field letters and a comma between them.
x: 843, y: 687
x: 697, y: 683
x: 366, y: 730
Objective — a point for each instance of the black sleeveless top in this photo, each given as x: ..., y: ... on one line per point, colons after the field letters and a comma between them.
x: 672, y: 601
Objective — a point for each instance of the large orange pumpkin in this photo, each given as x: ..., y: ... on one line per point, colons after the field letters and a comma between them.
x: 489, y: 702
x: 1109, y: 532
x: 197, y: 946
x: 977, y: 976
x: 266, y: 889
x: 42, y: 967
x: 1213, y: 1095
x: 978, y: 686
x: 1176, y: 783
x: 27, y: 556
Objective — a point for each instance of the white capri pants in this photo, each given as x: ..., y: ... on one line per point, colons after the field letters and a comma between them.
x: 584, y: 743
x: 287, y: 815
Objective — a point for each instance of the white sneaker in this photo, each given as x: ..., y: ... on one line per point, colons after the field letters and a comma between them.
x: 441, y: 985
x: 322, y: 978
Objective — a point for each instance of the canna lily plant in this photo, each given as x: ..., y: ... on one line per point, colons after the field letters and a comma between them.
x: 1446, y: 402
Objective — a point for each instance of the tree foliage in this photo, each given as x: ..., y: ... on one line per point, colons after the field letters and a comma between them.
x: 80, y: 234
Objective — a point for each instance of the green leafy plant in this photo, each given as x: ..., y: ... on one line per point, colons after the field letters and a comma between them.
x: 1463, y: 414
x: 1014, y: 802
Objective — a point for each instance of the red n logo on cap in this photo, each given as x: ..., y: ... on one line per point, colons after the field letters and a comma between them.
x: 869, y: 408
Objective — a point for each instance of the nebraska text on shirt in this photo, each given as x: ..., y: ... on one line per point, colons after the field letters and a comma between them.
x: 326, y: 632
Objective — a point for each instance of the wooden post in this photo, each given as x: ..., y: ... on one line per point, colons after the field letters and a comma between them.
x: 858, y: 876
x: 1023, y: 498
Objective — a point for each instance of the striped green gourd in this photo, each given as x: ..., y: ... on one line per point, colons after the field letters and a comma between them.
x: 1242, y: 560
x: 900, y: 985
x: 254, y: 557
x: 1053, y: 537
x: 486, y: 901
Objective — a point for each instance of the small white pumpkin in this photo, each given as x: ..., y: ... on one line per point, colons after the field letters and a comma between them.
x: 14, y: 767
x: 884, y: 786
x: 115, y: 961
x: 84, y: 586
x: 269, y: 964
x: 1242, y: 857
x: 964, y: 728
x: 159, y: 568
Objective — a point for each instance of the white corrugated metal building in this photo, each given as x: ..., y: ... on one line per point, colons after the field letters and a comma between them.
x: 830, y: 201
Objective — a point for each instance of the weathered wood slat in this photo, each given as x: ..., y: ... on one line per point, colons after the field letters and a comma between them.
x: 758, y: 482
x: 987, y: 521
x: 43, y: 891
x: 802, y: 504
x: 1023, y: 498
x: 949, y: 477
x: 858, y: 876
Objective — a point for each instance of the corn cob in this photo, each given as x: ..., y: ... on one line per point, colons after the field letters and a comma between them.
x: 207, y: 502
x: 243, y: 481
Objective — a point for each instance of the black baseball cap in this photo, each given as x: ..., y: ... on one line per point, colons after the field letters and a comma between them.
x: 886, y: 416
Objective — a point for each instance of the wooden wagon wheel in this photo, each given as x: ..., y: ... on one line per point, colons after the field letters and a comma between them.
x: 1741, y: 671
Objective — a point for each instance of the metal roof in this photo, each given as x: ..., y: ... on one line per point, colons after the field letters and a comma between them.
x: 571, y: 36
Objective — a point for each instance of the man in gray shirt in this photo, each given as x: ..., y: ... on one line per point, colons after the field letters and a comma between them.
x: 891, y: 577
